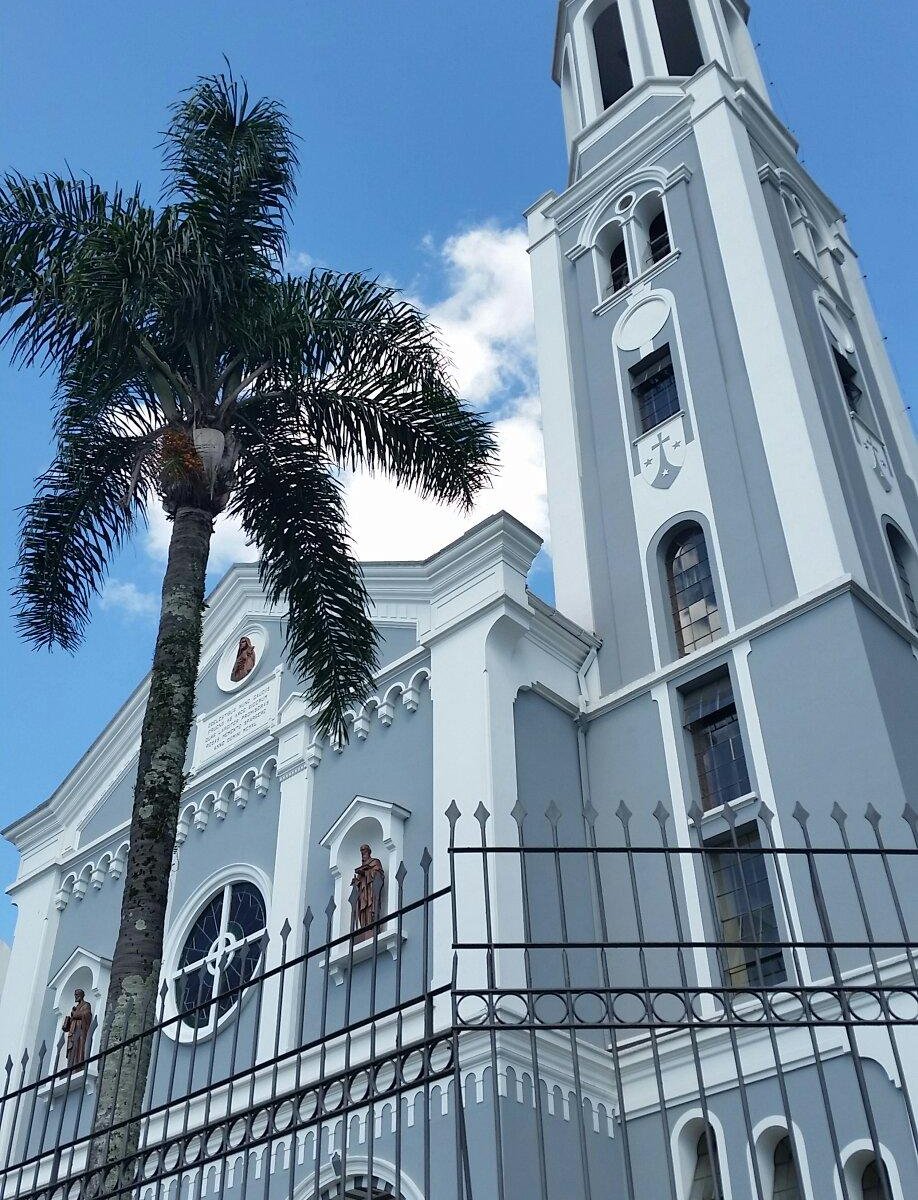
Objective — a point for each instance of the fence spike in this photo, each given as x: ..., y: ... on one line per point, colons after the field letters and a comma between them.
x: 481, y: 814
x: 662, y: 814
x: 911, y: 816
x: 553, y: 815
x: 518, y: 813
x: 307, y: 917
x: 285, y: 929
x: 800, y: 815
x: 696, y: 814
x: 401, y: 873
x: 453, y: 814
x: 838, y: 815
x: 590, y: 813
x: 426, y: 860
x: 872, y: 816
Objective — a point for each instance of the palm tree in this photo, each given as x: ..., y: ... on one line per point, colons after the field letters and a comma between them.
x: 191, y: 368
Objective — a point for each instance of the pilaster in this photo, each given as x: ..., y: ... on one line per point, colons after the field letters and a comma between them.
x: 294, y: 831
x: 819, y: 537
x: 29, y: 965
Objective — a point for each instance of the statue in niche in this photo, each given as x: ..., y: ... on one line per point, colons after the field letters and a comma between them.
x: 245, y: 660
x: 366, y: 893
x: 76, y: 1027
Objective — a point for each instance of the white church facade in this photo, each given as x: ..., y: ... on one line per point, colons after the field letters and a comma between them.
x: 647, y: 890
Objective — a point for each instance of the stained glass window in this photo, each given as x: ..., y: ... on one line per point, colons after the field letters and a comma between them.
x: 696, y: 613
x: 220, y: 955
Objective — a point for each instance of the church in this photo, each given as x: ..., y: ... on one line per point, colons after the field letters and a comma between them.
x: 614, y: 899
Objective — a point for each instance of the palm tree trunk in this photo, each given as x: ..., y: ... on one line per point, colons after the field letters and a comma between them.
x: 132, y: 997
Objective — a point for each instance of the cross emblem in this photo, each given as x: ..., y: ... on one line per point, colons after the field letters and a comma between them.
x: 666, y: 471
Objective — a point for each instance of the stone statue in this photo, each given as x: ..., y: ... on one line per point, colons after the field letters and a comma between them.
x: 76, y: 1027
x: 367, y: 887
x: 245, y: 660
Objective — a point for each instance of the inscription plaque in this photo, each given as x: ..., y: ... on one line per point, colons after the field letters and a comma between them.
x: 237, y: 722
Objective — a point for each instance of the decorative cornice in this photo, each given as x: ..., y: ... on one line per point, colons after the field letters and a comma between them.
x: 694, y: 663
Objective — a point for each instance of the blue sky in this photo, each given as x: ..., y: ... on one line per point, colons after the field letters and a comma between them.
x: 427, y: 128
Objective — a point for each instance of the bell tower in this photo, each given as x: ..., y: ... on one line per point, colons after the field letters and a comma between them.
x: 725, y: 440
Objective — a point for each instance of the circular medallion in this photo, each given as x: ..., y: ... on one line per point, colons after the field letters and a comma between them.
x: 242, y: 658
x: 642, y: 323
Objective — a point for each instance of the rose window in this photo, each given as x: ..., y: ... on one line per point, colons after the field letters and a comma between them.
x: 220, y: 955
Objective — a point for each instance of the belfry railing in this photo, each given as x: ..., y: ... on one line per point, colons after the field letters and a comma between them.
x: 577, y: 1003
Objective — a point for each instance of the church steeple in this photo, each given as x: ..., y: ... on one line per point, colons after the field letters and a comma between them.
x: 606, y: 49
x: 717, y: 400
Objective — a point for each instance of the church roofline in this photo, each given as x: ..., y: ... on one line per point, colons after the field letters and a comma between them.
x: 104, y: 761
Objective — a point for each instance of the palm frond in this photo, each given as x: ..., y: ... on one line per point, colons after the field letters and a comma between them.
x: 78, y: 269
x: 231, y: 164
x: 85, y: 506
x: 293, y: 509
x: 360, y: 373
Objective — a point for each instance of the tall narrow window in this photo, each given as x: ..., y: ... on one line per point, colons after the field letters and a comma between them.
x: 711, y: 719
x: 706, y: 1184
x: 787, y: 1181
x: 653, y: 385
x: 611, y: 56
x: 696, y: 615
x: 739, y: 876
x: 679, y: 36
x: 904, y: 562
x: 658, y: 235
x: 847, y: 374
x: 618, y: 267
x: 871, y: 1188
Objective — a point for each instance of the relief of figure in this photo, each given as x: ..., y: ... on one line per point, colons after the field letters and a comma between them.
x: 76, y: 1027
x: 367, y: 887
x: 245, y: 660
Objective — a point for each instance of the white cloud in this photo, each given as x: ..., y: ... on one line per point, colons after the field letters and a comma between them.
x: 487, y: 325
x: 129, y: 599
x: 486, y: 322
x: 486, y: 319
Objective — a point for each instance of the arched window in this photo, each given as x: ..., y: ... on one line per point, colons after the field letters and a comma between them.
x: 679, y: 36
x: 906, y: 566
x: 618, y: 266
x: 220, y: 955
x: 611, y: 56
x: 696, y: 615
x: 614, y: 272
x: 801, y: 228
x: 706, y: 1183
x: 871, y: 1187
x: 787, y: 1181
x: 658, y: 237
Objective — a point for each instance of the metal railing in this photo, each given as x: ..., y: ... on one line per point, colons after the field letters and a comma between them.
x: 587, y: 999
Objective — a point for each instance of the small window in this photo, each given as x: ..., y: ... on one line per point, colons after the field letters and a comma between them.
x: 679, y: 37
x: 787, y: 1182
x: 739, y: 877
x: 904, y: 562
x: 653, y: 385
x: 711, y: 719
x: 611, y: 56
x: 847, y: 373
x: 696, y: 615
x: 706, y: 1182
x: 618, y: 267
x: 871, y: 1187
x: 220, y: 954
x: 658, y: 235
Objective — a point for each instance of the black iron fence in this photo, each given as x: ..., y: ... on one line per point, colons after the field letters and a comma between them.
x: 583, y: 1004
